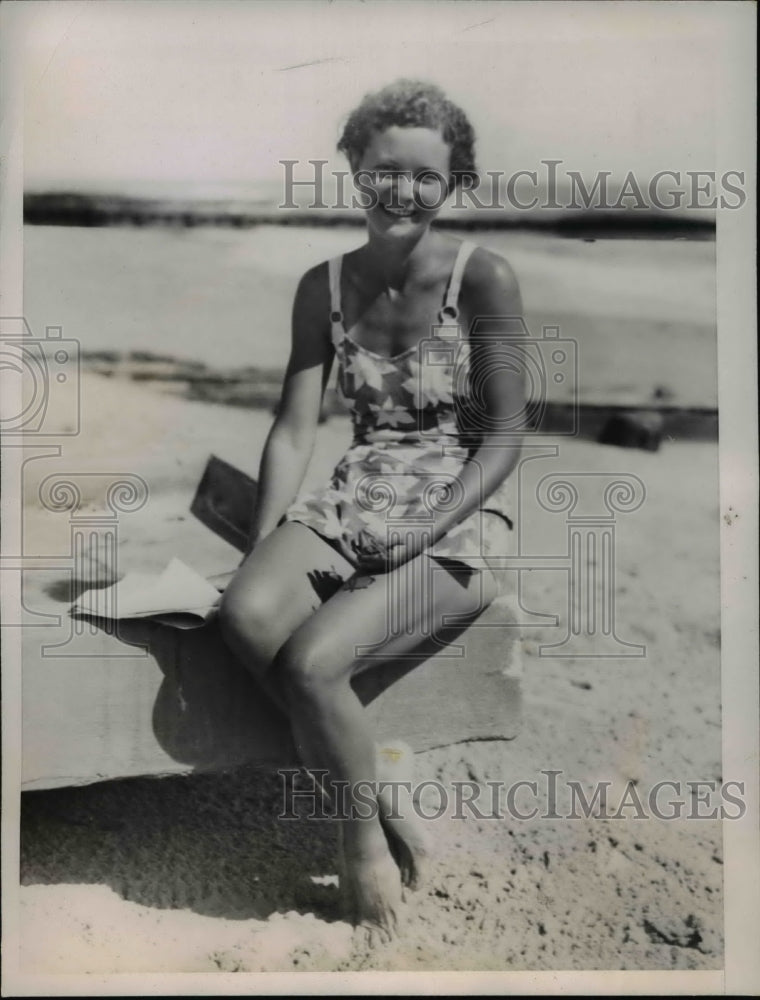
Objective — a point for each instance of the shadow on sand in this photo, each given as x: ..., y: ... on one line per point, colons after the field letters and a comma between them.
x: 209, y: 843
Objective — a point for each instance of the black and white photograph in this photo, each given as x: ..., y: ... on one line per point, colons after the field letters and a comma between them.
x: 379, y: 569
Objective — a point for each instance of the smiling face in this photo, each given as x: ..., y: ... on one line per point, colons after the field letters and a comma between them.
x: 404, y: 173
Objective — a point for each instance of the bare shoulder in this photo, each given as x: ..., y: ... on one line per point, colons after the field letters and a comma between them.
x: 313, y: 286
x: 311, y: 315
x: 489, y: 277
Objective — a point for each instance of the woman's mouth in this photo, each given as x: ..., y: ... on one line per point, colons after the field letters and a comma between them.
x: 399, y: 213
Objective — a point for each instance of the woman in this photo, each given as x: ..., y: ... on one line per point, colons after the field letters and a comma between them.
x: 430, y: 407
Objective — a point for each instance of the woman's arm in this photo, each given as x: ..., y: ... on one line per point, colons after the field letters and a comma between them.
x: 491, y: 300
x: 290, y: 441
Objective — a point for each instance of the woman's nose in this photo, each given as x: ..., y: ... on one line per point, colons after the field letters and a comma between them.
x: 404, y: 188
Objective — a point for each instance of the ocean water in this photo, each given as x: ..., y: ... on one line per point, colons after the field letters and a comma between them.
x: 638, y: 315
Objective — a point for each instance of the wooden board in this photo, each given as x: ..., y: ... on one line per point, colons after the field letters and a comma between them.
x: 224, y: 501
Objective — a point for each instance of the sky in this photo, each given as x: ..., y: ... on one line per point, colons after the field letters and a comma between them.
x: 212, y: 94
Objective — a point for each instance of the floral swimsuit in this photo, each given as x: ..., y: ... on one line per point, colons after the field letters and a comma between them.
x: 407, y: 449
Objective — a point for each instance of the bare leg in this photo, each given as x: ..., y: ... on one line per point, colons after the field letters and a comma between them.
x: 279, y: 586
x: 277, y: 589
x: 329, y: 724
x: 409, y: 836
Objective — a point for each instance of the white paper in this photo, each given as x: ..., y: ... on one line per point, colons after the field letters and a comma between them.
x: 178, y: 596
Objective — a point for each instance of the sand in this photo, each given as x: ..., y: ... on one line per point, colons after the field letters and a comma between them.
x: 641, y: 313
x: 196, y: 874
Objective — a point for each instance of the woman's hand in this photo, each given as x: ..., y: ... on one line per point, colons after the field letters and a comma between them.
x: 414, y: 539
x: 404, y: 543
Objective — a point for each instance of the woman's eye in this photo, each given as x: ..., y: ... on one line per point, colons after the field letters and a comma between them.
x: 430, y: 179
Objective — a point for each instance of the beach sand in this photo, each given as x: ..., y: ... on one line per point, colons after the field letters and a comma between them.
x: 196, y: 874
x: 640, y: 313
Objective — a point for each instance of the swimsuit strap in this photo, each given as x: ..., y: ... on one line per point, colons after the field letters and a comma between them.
x: 334, y: 267
x: 450, y: 309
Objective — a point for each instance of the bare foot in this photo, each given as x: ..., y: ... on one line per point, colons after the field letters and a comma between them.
x: 409, y: 846
x: 407, y: 837
x: 375, y: 887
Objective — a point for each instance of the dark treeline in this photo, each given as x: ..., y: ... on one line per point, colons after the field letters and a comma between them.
x: 74, y: 209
